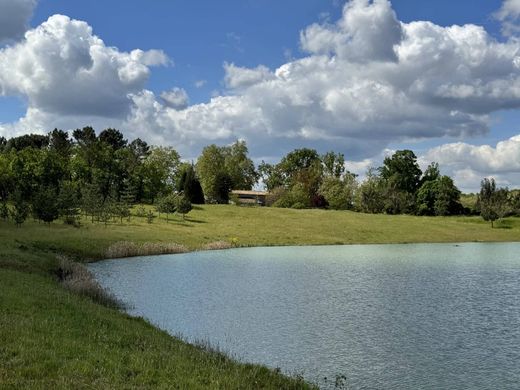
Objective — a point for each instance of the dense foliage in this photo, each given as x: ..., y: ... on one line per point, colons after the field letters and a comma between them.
x: 60, y: 175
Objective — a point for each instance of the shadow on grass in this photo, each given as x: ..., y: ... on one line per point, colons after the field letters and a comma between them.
x: 504, y: 224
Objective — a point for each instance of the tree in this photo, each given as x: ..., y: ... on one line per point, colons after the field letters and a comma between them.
x: 161, y: 167
x: 60, y: 143
x: 167, y: 205
x: 492, y: 202
x: 401, y: 171
x: 296, y: 161
x: 371, y: 198
x: 91, y: 201
x: 431, y: 173
x: 271, y: 175
x: 45, y: 205
x: 68, y: 203
x: 239, y: 166
x: 4, y: 211
x: 222, y: 187
x: 20, y: 209
x: 183, y: 206
x: 339, y: 193
x: 213, y: 176
x: 439, y: 196
x: 333, y: 164
x: 189, y: 184
x: 114, y: 138
x: 35, y: 141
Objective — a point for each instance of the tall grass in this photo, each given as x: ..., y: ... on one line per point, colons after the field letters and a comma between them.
x: 217, y: 245
x: 76, y: 278
x: 128, y: 249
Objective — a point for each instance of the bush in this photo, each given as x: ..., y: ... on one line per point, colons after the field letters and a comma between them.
x: 140, y: 212
x: 274, y: 195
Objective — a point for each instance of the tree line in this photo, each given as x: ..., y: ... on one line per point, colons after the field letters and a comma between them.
x: 103, y: 175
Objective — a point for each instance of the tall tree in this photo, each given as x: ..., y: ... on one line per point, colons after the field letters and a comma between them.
x: 211, y: 164
x: 161, y: 169
x: 333, y: 164
x: 493, y: 203
x: 401, y: 171
x: 239, y: 166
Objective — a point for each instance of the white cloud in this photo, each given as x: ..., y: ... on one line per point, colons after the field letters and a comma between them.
x: 176, y: 98
x: 14, y: 18
x: 237, y: 77
x: 471, y: 163
x: 62, y: 68
x: 367, y: 80
x: 368, y: 31
x: 200, y: 83
x: 509, y: 14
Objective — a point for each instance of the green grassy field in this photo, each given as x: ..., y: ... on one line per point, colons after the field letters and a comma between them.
x: 51, y: 338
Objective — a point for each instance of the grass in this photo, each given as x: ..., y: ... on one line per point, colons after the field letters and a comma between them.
x: 53, y: 337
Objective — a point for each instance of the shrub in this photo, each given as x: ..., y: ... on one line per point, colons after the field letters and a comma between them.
x: 140, y: 212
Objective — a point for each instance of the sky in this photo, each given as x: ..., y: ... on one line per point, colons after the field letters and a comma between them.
x: 360, y: 77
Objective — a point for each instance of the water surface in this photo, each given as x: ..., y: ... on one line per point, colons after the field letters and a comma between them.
x: 424, y: 316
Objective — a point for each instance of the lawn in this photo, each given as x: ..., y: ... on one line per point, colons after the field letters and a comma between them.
x: 51, y: 338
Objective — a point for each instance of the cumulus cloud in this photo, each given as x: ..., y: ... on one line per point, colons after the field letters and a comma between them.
x: 176, y: 98
x: 365, y: 81
x: 471, y: 163
x: 368, y: 80
x: 237, y: 77
x: 14, y: 18
x: 368, y: 31
x: 509, y: 14
x: 62, y: 68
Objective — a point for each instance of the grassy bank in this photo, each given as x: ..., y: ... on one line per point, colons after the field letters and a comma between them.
x: 256, y: 226
x: 52, y: 338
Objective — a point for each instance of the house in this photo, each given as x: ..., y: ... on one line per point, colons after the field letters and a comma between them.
x: 250, y: 197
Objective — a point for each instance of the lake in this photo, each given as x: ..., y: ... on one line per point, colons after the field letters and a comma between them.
x: 408, y: 316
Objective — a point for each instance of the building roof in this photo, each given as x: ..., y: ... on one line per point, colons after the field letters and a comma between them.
x: 245, y: 192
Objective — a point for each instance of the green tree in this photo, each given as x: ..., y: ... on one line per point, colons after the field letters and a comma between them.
x: 183, y: 206
x: 271, y: 175
x: 161, y: 167
x: 339, y: 193
x: 20, y: 209
x: 493, y: 203
x: 401, y: 171
x: 91, y: 201
x: 189, y: 184
x: 333, y: 164
x: 439, y: 196
x: 167, y: 205
x: 45, y: 205
x: 210, y: 166
x: 4, y: 211
x: 239, y: 166
x: 371, y: 193
x: 296, y: 161
x: 69, y: 203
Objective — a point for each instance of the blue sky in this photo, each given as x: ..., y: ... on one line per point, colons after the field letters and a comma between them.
x: 200, y: 35
x: 280, y: 74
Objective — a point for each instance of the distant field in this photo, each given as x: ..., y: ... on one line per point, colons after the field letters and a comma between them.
x: 51, y: 338
x: 248, y: 226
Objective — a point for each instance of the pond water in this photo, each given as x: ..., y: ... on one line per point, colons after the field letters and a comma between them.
x: 423, y: 316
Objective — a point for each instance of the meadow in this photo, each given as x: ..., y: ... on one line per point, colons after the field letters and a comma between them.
x: 51, y: 337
